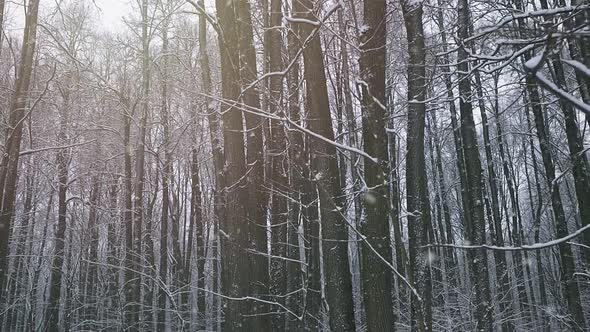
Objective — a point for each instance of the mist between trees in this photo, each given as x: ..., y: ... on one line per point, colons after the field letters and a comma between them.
x: 295, y: 165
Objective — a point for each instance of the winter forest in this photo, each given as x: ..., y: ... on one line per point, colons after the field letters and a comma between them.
x: 295, y: 165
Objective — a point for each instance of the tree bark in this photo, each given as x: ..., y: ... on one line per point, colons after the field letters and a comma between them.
x: 233, y: 226
x: 325, y: 174
x: 12, y: 146
x: 418, y: 204
x: 476, y: 232
x: 63, y: 161
x: 297, y: 168
x: 279, y: 178
x: 375, y: 275
x: 502, y: 272
x: 166, y: 183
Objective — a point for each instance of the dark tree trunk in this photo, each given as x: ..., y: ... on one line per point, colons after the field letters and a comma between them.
x: 568, y: 268
x: 196, y: 224
x: 166, y: 183
x: 138, y: 201
x: 63, y: 161
x: 131, y: 320
x: 476, y: 232
x: 91, y: 297
x: 112, y: 242
x: 325, y: 174
x: 502, y: 273
x: 256, y: 206
x: 2, y: 5
x: 217, y: 149
x: 279, y: 179
x: 20, y: 275
x: 12, y: 146
x: 577, y: 152
x: 375, y: 275
x: 233, y: 227
x: 416, y: 180
x: 297, y: 183
x: 519, y: 264
x: 537, y: 215
x: 456, y: 127
x: 450, y: 257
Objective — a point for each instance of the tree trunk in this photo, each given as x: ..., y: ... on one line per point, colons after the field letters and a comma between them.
x: 12, y: 146
x: 568, y: 269
x: 233, y: 227
x: 217, y: 149
x: 375, y: 275
x: 297, y: 168
x: 138, y: 212
x: 416, y: 180
x: 131, y: 320
x: 196, y: 224
x: 2, y: 5
x: 325, y: 173
x: 476, y: 232
x: 256, y: 206
x: 279, y: 178
x: 502, y: 273
x: 166, y: 183
x: 63, y: 161
x: 91, y: 295
x: 537, y: 215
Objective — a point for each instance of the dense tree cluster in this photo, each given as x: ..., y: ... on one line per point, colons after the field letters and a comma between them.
x: 295, y: 165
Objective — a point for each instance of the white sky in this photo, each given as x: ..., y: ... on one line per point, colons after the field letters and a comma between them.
x: 112, y: 12
x: 110, y: 15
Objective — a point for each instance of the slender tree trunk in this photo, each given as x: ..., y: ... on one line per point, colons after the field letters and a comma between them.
x: 91, y: 296
x: 279, y: 178
x: 416, y: 180
x: 450, y: 256
x: 297, y: 178
x: 166, y: 183
x: 476, y: 232
x: 196, y: 224
x: 21, y: 238
x: 324, y: 168
x: 138, y: 211
x: 58, y: 264
x: 574, y: 140
x: 256, y: 207
x: 572, y: 292
x: 581, y: 179
x: 445, y: 271
x: 12, y: 146
x: 400, y: 250
x: 577, y: 152
x: 537, y: 215
x: 502, y: 273
x: 457, y: 130
x: 216, y: 147
x: 112, y: 242
x: 309, y: 195
x: 129, y: 275
x: 233, y: 226
x: 519, y: 264
x: 375, y: 276
x: 348, y: 124
x: 350, y: 118
x: 2, y: 5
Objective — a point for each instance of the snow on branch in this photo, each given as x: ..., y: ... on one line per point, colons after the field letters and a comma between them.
x: 536, y: 246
